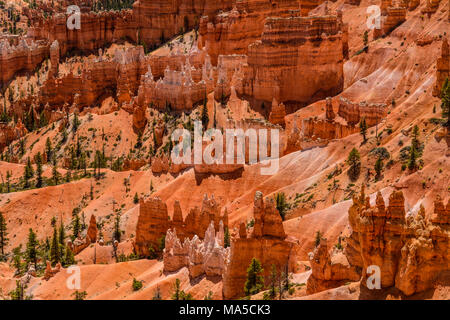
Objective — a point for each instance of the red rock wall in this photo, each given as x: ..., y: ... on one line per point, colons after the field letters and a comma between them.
x: 24, y: 57
x: 308, y: 49
x: 231, y: 32
x: 442, y: 68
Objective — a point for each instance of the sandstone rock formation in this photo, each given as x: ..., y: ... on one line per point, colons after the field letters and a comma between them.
x: 442, y: 68
x: 412, y: 252
x: 330, y: 269
x: 24, y: 57
x: 394, y: 17
x: 159, y: 20
x: 353, y: 112
x: 231, y: 32
x: 267, y: 243
x: 318, y: 130
x: 81, y: 243
x: 153, y: 222
x: 9, y: 133
x: 85, y: 86
x: 96, y: 30
x: 277, y: 113
x: 54, y: 59
x: 176, y: 90
x: 50, y: 272
x: 200, y: 257
x: 308, y: 45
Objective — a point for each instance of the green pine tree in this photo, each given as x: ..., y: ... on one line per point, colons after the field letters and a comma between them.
x: 378, y: 168
x: 3, y: 235
x: 363, y: 128
x: 226, y: 238
x: 354, y: 161
x: 255, y: 280
x: 39, y: 180
x: 31, y: 251
x: 54, y: 248
x: 445, y: 96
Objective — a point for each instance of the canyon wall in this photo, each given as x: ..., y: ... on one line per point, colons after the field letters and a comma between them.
x: 96, y: 30
x: 26, y: 56
x: 231, y: 32
x: 119, y: 76
x: 308, y: 49
x: 442, y: 68
x: 158, y: 20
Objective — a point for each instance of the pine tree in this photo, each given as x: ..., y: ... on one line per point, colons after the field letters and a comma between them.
x: 27, y: 174
x: 255, y: 280
x: 42, y: 119
x: 18, y: 293
x: 136, y: 198
x: 17, y: 259
x: 176, y: 290
x: 412, y: 162
x: 54, y: 248
x: 366, y: 40
x: 31, y: 252
x: 363, y: 128
x: 318, y: 238
x: 69, y: 258
x: 355, y: 164
x: 76, y: 226
x: 3, y: 235
x: 75, y: 122
x: 205, y: 117
x: 48, y: 149
x: 8, y: 181
x: 226, y: 238
x: 61, y: 239
x: 445, y: 96
x: 68, y: 176
x: 117, y: 233
x: 55, y: 173
x: 378, y: 168
x: 39, y: 180
x: 273, y: 282
x: 414, y: 152
x: 282, y: 206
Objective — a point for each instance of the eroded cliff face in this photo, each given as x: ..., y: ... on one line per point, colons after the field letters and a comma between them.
x: 411, y: 251
x: 391, y: 19
x: 266, y: 242
x: 23, y: 57
x: 319, y: 130
x: 158, y: 20
x: 153, y: 222
x: 231, y: 32
x: 442, y: 68
x: 96, y: 30
x: 10, y: 132
x: 83, y: 87
x: 308, y: 49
